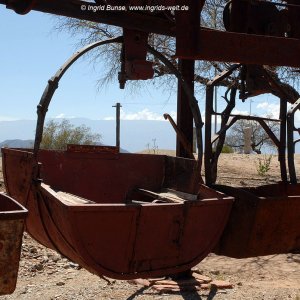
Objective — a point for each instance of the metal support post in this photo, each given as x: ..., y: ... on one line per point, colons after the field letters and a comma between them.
x: 208, y: 127
x: 118, y: 107
x: 184, y: 113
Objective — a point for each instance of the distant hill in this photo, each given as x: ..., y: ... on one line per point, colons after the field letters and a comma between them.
x: 17, y: 143
x: 135, y: 135
x: 29, y: 144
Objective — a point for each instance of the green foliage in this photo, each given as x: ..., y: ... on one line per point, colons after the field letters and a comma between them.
x: 57, y: 135
x: 263, y: 165
x: 227, y: 149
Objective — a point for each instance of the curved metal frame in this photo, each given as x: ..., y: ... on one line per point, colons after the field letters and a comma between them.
x: 50, y: 89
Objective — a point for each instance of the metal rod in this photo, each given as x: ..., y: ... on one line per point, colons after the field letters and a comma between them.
x: 180, y: 135
x: 208, y: 127
x: 246, y: 117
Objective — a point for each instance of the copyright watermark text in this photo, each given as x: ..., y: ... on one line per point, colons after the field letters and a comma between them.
x: 148, y: 8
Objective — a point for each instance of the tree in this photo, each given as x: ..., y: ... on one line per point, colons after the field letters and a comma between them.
x: 57, y: 135
x: 259, y: 138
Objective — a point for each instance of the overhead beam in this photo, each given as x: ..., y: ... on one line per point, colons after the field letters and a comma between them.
x: 213, y: 45
x: 226, y: 46
x: 130, y: 20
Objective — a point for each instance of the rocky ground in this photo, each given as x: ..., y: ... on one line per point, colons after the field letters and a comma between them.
x: 44, y: 274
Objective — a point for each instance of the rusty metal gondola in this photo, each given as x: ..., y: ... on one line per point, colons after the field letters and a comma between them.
x: 119, y: 215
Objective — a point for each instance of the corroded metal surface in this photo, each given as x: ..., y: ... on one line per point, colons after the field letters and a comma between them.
x: 11, y: 231
x: 114, y: 235
x: 263, y: 221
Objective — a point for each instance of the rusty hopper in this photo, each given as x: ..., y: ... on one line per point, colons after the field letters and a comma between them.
x: 118, y: 215
x: 264, y: 220
x: 12, y: 216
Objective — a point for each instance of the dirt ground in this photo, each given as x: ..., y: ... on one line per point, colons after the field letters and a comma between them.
x: 44, y: 274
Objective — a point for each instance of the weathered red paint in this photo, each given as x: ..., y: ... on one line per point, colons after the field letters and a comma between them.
x: 114, y: 236
x: 263, y: 221
x: 135, y: 48
x: 12, y: 216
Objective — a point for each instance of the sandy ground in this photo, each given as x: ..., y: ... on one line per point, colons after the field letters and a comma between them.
x: 44, y: 274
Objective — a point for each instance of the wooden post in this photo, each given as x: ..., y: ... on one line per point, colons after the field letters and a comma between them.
x: 118, y: 107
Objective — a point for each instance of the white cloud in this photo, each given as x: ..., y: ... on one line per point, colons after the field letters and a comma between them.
x: 240, y: 112
x: 7, y: 118
x: 63, y: 116
x: 144, y: 114
x: 270, y: 109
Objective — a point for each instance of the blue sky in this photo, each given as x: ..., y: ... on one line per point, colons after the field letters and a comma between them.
x: 31, y: 52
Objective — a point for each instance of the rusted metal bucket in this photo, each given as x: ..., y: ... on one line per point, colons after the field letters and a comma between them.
x: 105, y: 210
x: 12, y: 216
x: 263, y: 221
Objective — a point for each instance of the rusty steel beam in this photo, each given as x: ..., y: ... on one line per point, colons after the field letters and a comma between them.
x: 213, y: 45
x: 247, y: 48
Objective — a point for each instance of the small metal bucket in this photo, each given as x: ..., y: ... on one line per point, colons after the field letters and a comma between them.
x: 12, y: 216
